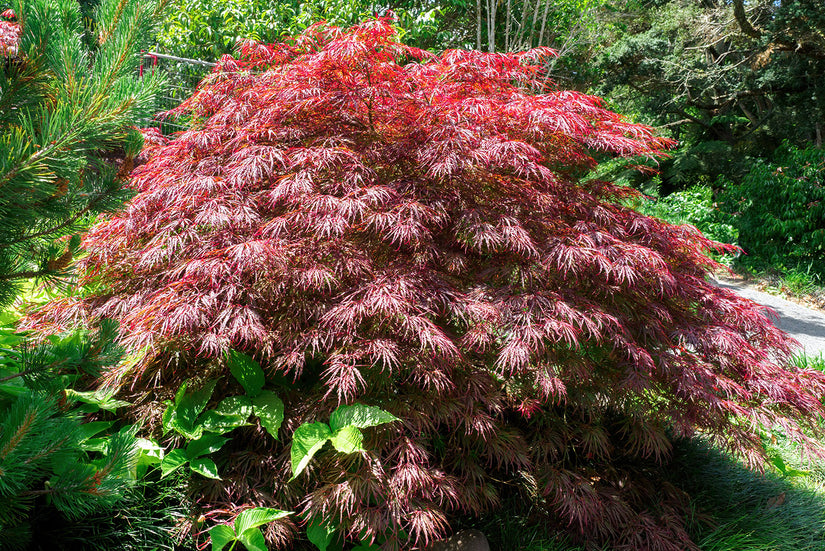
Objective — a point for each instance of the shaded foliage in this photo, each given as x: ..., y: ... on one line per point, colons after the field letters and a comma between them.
x: 729, y: 79
x: 411, y: 231
x: 780, y: 209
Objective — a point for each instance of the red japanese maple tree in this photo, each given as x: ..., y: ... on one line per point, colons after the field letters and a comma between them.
x: 9, y: 33
x: 412, y: 231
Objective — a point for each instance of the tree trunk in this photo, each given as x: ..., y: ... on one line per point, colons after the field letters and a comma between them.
x: 508, y: 15
x: 544, y: 21
x: 491, y: 25
x: 742, y: 18
x: 478, y: 24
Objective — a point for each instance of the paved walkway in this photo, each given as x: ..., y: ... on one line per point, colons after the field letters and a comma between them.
x: 804, y: 324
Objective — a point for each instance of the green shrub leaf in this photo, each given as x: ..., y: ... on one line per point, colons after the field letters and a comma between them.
x: 308, y: 439
x: 169, y: 415
x: 231, y: 413
x: 173, y: 461
x: 321, y: 535
x: 235, y: 405
x: 87, y: 430
x: 253, y: 539
x: 258, y: 516
x: 221, y: 535
x: 359, y: 415
x: 247, y: 371
x: 348, y: 439
x: 101, y: 399
x: 270, y: 410
x: 205, y: 467
x: 191, y: 405
x: 149, y: 453
x: 207, y: 443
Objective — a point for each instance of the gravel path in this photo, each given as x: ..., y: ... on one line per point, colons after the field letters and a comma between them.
x: 804, y: 324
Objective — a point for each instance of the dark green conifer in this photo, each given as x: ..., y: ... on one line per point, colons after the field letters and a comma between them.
x: 70, y: 101
x: 70, y: 98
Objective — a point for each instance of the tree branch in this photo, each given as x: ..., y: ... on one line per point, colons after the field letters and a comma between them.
x: 65, y: 223
x: 742, y: 18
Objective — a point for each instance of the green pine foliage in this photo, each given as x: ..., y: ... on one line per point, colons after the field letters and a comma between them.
x: 49, y: 459
x: 70, y: 97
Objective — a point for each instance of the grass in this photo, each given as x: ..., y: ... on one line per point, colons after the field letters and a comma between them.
x: 751, y: 511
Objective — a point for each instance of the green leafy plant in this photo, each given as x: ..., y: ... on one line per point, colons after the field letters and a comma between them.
x: 786, y: 471
x: 245, y: 529
x: 780, y: 213
x: 694, y: 206
x: 187, y: 416
x: 343, y: 432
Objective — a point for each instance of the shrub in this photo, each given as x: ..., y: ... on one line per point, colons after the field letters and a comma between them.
x: 694, y: 206
x: 380, y: 225
x: 780, y: 208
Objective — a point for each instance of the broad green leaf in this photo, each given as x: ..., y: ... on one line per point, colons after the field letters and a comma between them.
x: 87, y: 430
x: 253, y: 539
x: 100, y: 398
x: 149, y: 453
x: 231, y: 413
x: 365, y: 547
x: 220, y: 536
x: 247, y: 371
x: 191, y: 405
x: 149, y: 449
x: 347, y: 439
x: 235, y: 405
x: 321, y: 535
x: 9, y: 319
x: 308, y: 439
x: 359, y: 415
x: 205, y: 467
x: 258, y: 516
x: 186, y: 430
x: 207, y: 443
x: 14, y: 388
x: 181, y: 392
x: 169, y: 415
x: 95, y: 445
x: 212, y: 421
x: 270, y: 410
x: 173, y: 461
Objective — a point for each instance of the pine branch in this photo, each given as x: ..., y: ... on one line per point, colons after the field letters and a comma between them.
x: 66, y: 223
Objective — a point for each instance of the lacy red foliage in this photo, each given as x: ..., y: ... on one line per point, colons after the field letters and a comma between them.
x: 9, y: 34
x: 411, y: 231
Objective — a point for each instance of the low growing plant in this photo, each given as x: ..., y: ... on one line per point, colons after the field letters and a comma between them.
x: 379, y: 225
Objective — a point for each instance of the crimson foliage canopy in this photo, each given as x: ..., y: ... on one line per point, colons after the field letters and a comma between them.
x: 412, y: 231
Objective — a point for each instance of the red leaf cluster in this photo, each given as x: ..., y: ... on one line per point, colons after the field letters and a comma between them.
x: 9, y: 34
x: 412, y: 231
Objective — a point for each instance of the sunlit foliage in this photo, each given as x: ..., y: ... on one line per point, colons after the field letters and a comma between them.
x: 411, y: 231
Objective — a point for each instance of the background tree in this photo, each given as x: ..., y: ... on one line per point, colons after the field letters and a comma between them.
x: 410, y: 231
x: 729, y: 80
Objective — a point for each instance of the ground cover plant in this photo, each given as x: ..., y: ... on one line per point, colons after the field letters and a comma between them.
x: 384, y: 228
